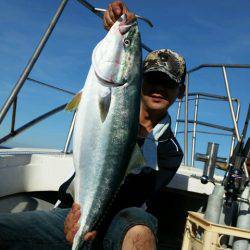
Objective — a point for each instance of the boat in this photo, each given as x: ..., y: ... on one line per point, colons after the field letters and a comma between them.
x: 31, y: 177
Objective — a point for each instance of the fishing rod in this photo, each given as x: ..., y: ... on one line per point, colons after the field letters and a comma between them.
x: 236, y: 177
x: 100, y: 12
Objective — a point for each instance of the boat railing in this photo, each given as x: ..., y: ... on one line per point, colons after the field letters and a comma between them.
x: 16, y: 131
x: 196, y: 97
x: 12, y: 99
x: 199, y: 95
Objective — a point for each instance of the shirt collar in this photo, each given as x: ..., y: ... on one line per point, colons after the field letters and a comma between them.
x: 160, y: 128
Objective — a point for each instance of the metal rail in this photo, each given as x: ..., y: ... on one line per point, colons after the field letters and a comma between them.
x: 14, y: 94
x: 32, y: 61
x: 12, y: 99
x: 226, y: 65
x: 13, y: 120
x: 204, y: 132
x: 211, y: 125
x: 222, y: 98
x: 194, y: 128
x: 67, y: 143
x: 186, y: 122
x: 51, y: 86
x: 227, y: 98
x: 198, y: 96
x: 201, y: 94
x: 32, y: 123
x: 230, y: 103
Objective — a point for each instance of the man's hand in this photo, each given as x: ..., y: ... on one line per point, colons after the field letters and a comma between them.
x: 71, y: 225
x: 115, y: 10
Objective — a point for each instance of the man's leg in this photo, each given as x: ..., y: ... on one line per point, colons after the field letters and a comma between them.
x: 139, y: 237
x: 131, y: 228
x: 33, y: 230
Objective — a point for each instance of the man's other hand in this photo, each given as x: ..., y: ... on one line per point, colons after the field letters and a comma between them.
x: 71, y: 225
x: 115, y: 10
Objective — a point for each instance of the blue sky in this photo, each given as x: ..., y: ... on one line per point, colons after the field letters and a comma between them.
x: 202, y: 31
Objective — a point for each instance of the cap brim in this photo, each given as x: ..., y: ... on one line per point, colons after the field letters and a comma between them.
x: 163, y: 70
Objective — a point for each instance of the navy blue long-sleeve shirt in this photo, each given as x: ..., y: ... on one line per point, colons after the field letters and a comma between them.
x: 163, y: 157
x: 140, y: 187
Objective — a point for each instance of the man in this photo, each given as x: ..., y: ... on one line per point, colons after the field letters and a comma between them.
x: 126, y: 225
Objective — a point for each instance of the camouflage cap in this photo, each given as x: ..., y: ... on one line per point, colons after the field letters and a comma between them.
x: 166, y: 61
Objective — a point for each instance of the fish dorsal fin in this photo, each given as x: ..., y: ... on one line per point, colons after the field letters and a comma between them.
x: 73, y: 104
x: 137, y: 160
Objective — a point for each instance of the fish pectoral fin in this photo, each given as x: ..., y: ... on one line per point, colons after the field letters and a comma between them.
x: 73, y: 104
x: 137, y: 160
x: 104, y: 103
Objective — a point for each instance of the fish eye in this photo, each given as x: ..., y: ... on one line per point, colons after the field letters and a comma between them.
x: 126, y: 42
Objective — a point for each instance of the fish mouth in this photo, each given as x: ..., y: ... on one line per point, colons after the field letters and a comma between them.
x: 125, y: 24
x: 110, y: 82
x: 112, y: 67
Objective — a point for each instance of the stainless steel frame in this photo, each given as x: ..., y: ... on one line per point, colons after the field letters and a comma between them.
x: 194, y: 128
x: 32, y: 61
x: 71, y: 129
x: 186, y: 122
x: 235, y: 131
x: 32, y: 123
x: 12, y: 99
x: 199, y: 95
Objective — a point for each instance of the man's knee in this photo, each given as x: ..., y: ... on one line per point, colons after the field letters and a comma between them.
x: 139, y: 237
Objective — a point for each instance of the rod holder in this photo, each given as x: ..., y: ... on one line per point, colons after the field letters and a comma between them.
x: 210, y: 160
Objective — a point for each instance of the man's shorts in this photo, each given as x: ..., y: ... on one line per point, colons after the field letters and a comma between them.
x: 122, y: 222
x: 42, y: 230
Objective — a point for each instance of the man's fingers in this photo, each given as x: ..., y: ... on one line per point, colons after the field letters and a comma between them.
x: 68, y: 222
x: 90, y: 235
x: 70, y: 237
x: 117, y: 8
x: 104, y: 20
x: 75, y: 207
x: 107, y: 21
x: 76, y: 216
x: 71, y: 233
x: 130, y: 16
x: 72, y: 218
x: 111, y: 13
x: 75, y: 229
x: 70, y: 225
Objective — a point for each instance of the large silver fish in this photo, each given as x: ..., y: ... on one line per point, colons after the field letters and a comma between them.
x: 107, y: 122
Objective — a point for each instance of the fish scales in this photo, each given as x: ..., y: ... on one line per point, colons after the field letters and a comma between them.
x: 107, y: 122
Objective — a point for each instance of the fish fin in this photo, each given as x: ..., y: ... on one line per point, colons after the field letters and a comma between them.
x: 73, y: 104
x: 104, y: 103
x: 137, y: 160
